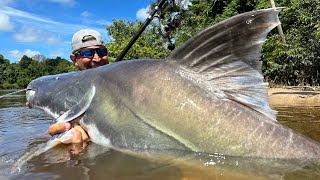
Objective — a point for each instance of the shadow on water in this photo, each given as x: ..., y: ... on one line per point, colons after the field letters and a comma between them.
x: 21, y: 129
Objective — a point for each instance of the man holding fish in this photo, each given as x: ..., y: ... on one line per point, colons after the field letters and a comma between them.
x: 88, y: 51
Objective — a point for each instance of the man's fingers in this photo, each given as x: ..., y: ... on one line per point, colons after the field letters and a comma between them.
x: 59, y: 128
x: 77, y: 136
x: 84, y: 135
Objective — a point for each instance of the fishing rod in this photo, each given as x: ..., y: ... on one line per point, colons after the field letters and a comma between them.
x: 173, y: 23
x: 12, y: 93
x: 141, y: 29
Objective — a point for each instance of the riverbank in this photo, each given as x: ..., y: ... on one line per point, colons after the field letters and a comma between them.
x: 292, y: 96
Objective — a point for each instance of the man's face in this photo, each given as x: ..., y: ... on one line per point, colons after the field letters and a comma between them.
x: 90, y: 57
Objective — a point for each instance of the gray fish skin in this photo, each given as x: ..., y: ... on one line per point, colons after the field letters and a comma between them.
x: 208, y: 96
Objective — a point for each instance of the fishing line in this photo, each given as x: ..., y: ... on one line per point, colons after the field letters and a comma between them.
x: 12, y: 93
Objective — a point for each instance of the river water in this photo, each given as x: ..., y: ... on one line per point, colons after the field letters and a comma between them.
x: 22, y: 129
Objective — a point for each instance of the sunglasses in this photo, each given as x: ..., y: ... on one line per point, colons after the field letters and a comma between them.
x: 89, y: 53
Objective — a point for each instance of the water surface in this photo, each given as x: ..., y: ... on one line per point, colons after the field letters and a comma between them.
x: 22, y: 129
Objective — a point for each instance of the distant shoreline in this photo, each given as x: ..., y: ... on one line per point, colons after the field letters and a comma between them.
x: 294, y: 96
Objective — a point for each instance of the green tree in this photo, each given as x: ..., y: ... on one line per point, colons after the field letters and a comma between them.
x: 18, y: 75
x: 10, y: 77
x: 148, y: 45
x: 24, y: 62
x: 204, y: 13
x: 64, y: 66
x: 4, y: 63
x: 297, y: 61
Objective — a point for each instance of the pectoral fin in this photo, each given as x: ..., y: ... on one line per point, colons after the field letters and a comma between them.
x: 79, y: 108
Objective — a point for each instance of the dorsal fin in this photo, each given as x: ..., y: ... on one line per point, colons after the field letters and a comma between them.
x: 224, y: 58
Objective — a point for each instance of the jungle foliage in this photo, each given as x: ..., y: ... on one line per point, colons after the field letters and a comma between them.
x: 296, y: 61
x: 18, y: 75
x: 293, y: 62
x: 148, y: 46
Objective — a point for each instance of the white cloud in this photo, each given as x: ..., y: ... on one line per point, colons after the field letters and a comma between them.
x: 56, y: 53
x: 5, y: 2
x: 90, y: 19
x: 25, y: 15
x: 38, y: 22
x: 85, y: 14
x: 103, y: 22
x: 142, y: 13
x: 18, y: 54
x: 30, y: 35
x: 27, y: 35
x: 51, y: 39
x: 64, y: 2
x: 184, y: 3
x: 5, y: 24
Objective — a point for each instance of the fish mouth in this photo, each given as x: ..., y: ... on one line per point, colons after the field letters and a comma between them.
x: 30, y: 95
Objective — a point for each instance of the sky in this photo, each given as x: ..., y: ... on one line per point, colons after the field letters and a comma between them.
x: 30, y: 27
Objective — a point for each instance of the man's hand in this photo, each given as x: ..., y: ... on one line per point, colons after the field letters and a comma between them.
x: 59, y: 128
x: 79, y: 134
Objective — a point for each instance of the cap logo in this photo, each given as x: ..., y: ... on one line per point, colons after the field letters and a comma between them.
x: 88, y: 38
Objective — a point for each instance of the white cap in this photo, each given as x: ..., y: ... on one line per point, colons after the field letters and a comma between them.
x: 85, y: 38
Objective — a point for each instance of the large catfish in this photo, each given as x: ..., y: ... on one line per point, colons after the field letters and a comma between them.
x: 208, y: 96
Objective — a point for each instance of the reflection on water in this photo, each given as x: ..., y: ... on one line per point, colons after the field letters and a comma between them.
x: 305, y: 120
x: 14, y: 100
x: 22, y: 129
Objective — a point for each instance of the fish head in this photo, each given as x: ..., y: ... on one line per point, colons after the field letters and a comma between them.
x: 57, y: 94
